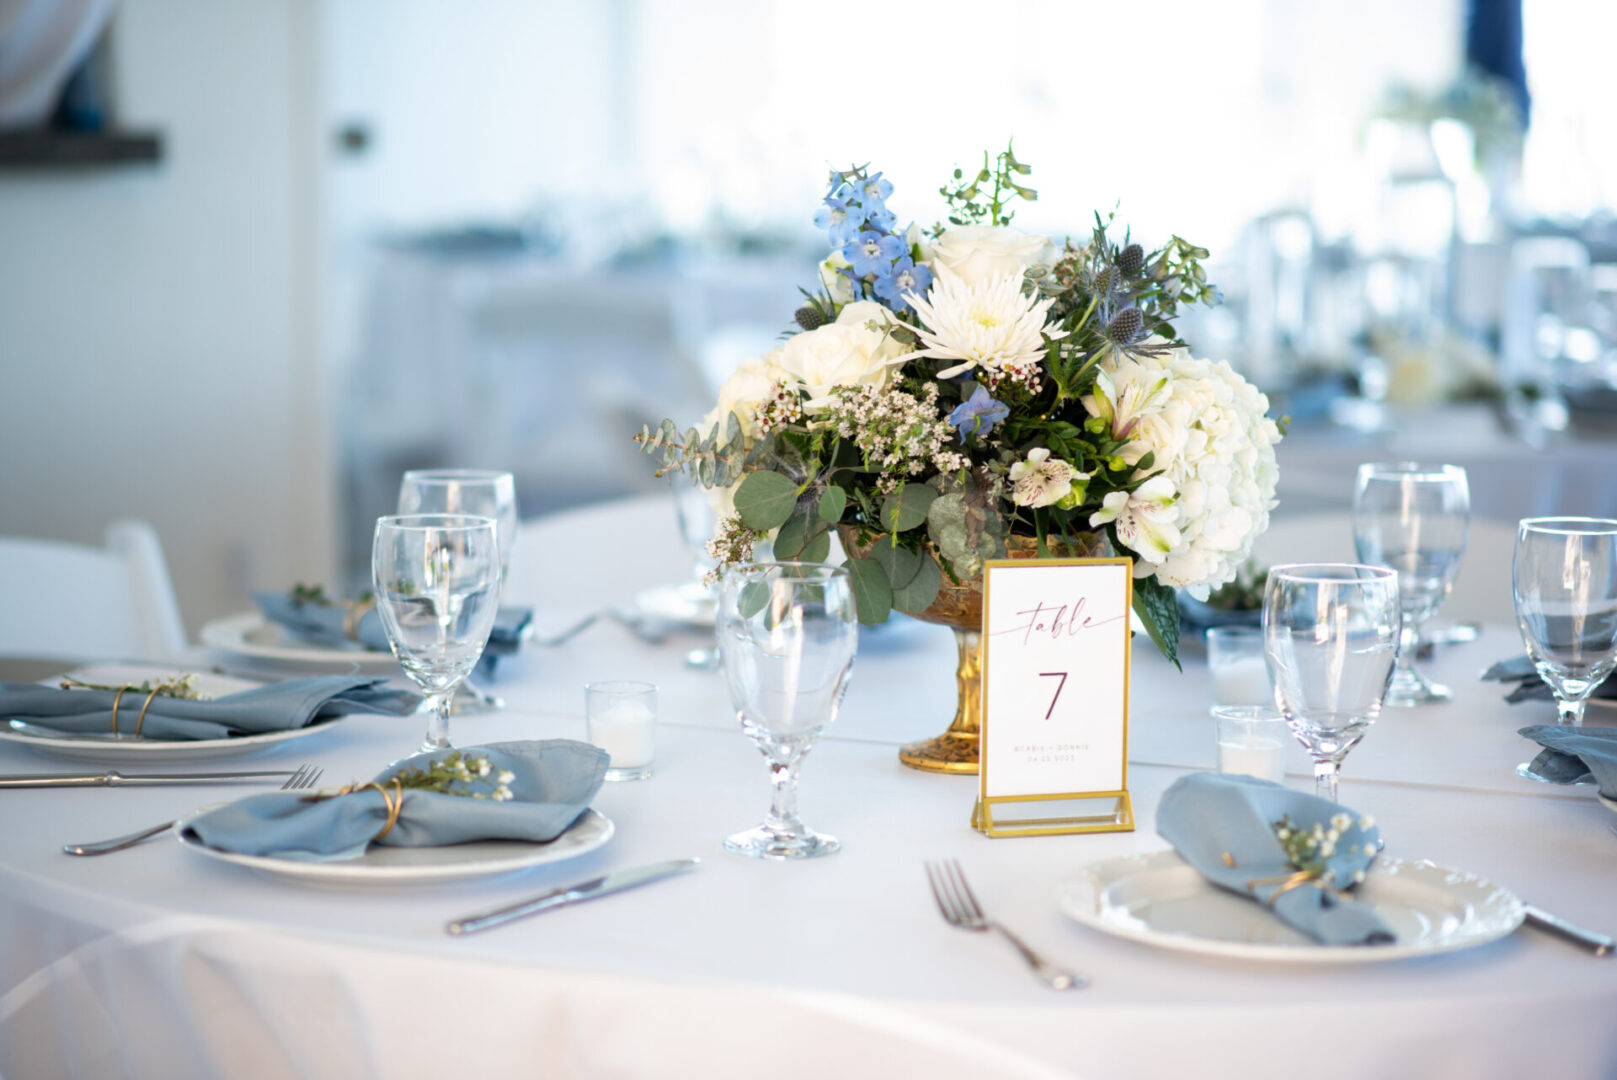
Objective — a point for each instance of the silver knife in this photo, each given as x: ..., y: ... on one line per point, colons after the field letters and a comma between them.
x: 118, y: 779
x: 1599, y: 944
x: 616, y: 881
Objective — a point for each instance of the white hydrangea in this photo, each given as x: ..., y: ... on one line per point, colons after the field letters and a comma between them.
x: 1212, y: 439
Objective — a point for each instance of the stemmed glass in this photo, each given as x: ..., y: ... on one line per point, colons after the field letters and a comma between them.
x: 787, y: 636
x: 1564, y: 583
x: 483, y: 493
x: 1413, y: 519
x: 437, y: 584
x: 1330, y: 634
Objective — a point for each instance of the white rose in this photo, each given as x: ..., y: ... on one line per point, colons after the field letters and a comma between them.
x: 749, y: 386
x: 843, y: 353
x: 978, y: 252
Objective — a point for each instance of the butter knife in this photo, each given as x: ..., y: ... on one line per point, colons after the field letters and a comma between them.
x: 616, y: 881
x: 1599, y: 944
x: 118, y: 779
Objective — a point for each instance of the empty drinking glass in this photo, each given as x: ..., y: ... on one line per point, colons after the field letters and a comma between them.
x: 437, y: 584
x: 1564, y: 583
x: 480, y: 492
x: 1330, y: 631
x: 1413, y: 519
x: 787, y: 635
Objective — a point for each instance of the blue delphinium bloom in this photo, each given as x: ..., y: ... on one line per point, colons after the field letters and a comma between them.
x: 872, y: 253
x: 874, y: 190
x: 905, y: 277
x: 978, y: 414
x: 841, y: 215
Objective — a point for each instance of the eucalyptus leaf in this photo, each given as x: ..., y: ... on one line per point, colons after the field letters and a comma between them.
x: 765, y: 500
x: 906, y: 508
x: 871, y: 592
x: 802, y: 539
x: 832, y: 503
x: 752, y: 598
x: 918, y: 593
x: 1158, y: 608
x: 900, y: 563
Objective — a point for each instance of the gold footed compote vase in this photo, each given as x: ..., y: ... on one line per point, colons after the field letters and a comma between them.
x: 960, y: 607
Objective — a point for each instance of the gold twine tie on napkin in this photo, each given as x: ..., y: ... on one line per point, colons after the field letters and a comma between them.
x: 139, y: 720
x: 1287, y: 882
x: 392, y: 798
x: 356, y: 610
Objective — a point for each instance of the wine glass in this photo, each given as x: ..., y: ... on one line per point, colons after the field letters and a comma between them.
x: 437, y: 584
x: 1330, y: 634
x: 481, y: 492
x: 1413, y: 519
x: 787, y: 636
x: 1564, y: 583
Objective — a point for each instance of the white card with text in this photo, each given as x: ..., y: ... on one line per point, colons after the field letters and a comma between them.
x: 1055, y: 677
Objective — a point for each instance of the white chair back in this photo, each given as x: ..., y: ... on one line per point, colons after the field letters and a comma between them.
x: 74, y: 602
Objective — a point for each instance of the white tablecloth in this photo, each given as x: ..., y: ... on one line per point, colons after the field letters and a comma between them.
x: 154, y: 962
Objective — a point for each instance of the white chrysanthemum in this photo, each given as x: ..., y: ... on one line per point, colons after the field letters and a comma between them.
x: 1210, y: 438
x: 990, y: 325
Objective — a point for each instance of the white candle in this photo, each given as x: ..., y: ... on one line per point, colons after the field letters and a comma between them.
x: 625, y: 731
x: 1253, y: 755
x: 1242, y: 680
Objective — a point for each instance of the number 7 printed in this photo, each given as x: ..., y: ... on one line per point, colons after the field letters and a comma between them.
x: 1062, y: 675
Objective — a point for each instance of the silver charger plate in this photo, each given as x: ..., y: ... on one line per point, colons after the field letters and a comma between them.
x: 125, y: 749
x: 382, y: 865
x: 251, y: 635
x: 1160, y: 900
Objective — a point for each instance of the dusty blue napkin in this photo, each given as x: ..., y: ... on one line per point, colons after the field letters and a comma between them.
x: 551, y: 782
x: 1574, y: 755
x: 1207, y: 815
x: 279, y: 706
x: 323, y: 624
x: 1530, y: 687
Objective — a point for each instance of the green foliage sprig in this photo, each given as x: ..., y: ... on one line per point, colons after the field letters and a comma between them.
x: 971, y: 204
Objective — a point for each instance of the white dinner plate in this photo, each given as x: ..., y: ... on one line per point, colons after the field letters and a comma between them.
x: 126, y: 749
x: 385, y: 865
x: 1161, y: 900
x: 1609, y: 804
x: 250, y: 634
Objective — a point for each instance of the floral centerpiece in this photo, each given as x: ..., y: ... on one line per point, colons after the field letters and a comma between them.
x: 969, y: 391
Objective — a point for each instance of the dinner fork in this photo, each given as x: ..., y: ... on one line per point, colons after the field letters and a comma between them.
x: 306, y: 776
x: 960, y: 909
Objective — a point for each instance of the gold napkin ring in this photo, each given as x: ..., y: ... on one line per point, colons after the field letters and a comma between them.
x: 139, y: 720
x: 392, y: 798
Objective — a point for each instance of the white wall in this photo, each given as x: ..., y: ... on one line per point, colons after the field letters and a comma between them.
x: 160, y: 326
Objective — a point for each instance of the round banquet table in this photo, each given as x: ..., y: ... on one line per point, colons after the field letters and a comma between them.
x: 156, y: 962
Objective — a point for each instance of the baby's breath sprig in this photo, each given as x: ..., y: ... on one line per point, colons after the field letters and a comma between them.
x: 460, y: 774
x: 182, y: 686
x: 1309, y: 848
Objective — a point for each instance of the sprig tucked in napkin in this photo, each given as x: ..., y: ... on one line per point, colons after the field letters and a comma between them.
x: 1298, y: 853
x: 1573, y: 755
x: 550, y: 783
x: 280, y: 706
x: 1529, y: 687
x: 306, y: 614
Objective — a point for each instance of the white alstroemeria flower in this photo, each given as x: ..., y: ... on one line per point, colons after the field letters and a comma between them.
x: 989, y: 325
x: 1144, y: 517
x: 1122, y: 409
x: 1042, y: 480
x: 975, y: 253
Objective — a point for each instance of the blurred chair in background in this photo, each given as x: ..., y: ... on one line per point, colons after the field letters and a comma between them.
x: 75, y: 602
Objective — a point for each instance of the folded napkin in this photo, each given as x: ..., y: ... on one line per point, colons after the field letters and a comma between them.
x: 1520, y: 670
x: 1573, y: 755
x: 279, y: 706
x: 327, y: 624
x: 1224, y: 826
x: 551, y: 784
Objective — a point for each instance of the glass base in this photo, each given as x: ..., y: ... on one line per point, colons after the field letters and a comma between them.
x: 762, y: 842
x: 472, y: 702
x: 1409, y: 687
x: 637, y: 772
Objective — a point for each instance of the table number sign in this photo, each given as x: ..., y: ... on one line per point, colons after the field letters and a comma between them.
x: 1055, y: 656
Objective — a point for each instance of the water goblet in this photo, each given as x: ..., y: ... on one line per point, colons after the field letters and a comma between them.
x: 1330, y: 633
x: 1564, y: 584
x: 437, y: 585
x: 787, y: 636
x: 1413, y: 519
x: 481, y: 492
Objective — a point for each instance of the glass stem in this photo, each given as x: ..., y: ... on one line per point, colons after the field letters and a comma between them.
x: 438, y: 720
x: 1325, y: 774
x: 1569, y: 711
x: 783, y: 806
x: 1408, y: 643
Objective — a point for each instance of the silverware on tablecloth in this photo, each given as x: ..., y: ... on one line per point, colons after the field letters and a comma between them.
x: 117, y: 779
x: 960, y: 909
x: 616, y: 881
x: 1599, y: 944
x: 306, y: 776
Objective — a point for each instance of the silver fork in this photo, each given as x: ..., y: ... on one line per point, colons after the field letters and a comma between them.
x: 306, y: 776
x: 960, y: 909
